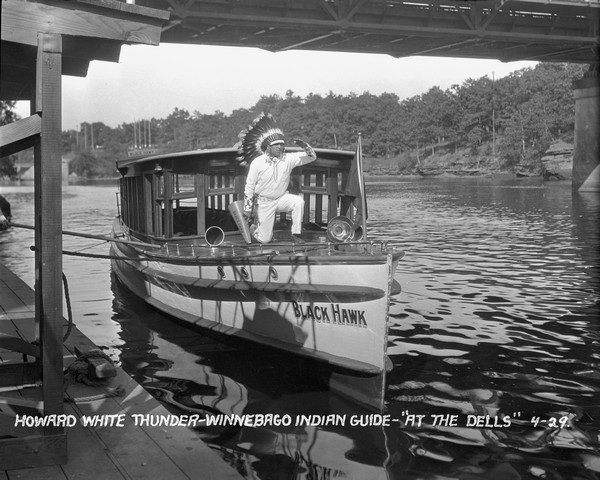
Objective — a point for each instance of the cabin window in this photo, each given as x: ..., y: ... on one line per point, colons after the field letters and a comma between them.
x: 221, y: 189
x: 184, y: 204
x: 187, y: 204
x: 132, y: 193
x: 175, y: 204
x: 320, y: 187
x: 184, y: 190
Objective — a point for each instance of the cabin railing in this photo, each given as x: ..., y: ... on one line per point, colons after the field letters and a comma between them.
x: 191, y: 252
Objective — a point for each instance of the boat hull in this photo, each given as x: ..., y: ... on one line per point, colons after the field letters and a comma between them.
x: 330, y: 309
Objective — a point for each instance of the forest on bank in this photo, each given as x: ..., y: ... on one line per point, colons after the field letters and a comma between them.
x: 502, y: 124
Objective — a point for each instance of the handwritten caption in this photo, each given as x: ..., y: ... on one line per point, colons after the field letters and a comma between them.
x: 407, y: 420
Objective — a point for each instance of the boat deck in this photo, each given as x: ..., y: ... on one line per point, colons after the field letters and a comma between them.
x: 101, y: 452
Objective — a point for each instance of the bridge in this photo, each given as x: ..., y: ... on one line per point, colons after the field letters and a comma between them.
x: 508, y: 30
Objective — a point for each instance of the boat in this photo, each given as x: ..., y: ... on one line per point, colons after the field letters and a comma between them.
x: 179, y: 243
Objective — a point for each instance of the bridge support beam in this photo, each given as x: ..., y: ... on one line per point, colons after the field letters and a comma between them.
x: 586, y: 157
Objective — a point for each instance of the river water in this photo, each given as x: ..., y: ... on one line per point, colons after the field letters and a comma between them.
x: 494, y: 339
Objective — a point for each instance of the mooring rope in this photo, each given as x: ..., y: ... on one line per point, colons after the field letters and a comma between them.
x: 69, y: 310
x: 165, y: 259
x: 97, y: 255
x: 96, y: 237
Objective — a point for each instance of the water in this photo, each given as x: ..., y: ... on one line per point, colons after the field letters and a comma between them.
x: 494, y: 340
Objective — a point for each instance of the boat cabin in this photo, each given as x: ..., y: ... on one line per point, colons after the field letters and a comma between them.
x: 183, y: 194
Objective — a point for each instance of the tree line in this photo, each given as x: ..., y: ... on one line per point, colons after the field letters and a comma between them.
x: 514, y: 118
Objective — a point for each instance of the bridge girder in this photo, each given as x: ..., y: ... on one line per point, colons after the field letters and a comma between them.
x: 508, y: 30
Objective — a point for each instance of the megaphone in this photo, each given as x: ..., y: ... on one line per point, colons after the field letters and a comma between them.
x: 341, y: 230
x: 237, y: 212
x: 214, y: 236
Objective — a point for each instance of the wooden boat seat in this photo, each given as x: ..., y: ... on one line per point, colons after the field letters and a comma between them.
x: 185, y: 221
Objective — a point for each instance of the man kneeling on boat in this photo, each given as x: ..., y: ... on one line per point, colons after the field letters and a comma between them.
x: 268, y: 180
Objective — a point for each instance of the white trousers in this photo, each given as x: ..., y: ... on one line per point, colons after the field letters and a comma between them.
x: 266, y: 210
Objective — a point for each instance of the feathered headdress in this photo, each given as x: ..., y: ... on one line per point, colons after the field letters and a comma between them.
x: 255, y: 139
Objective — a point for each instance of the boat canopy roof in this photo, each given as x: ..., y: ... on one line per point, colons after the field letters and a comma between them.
x: 194, y: 160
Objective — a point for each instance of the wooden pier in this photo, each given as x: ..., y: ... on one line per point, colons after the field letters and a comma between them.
x: 108, y: 452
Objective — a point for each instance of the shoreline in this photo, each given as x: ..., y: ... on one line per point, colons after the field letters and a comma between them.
x: 370, y: 178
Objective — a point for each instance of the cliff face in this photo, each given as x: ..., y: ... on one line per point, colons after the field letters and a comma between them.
x: 557, y: 162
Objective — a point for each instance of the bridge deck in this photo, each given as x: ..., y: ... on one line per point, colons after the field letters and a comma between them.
x: 509, y: 30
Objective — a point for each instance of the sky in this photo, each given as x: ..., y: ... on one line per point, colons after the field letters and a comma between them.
x: 151, y: 81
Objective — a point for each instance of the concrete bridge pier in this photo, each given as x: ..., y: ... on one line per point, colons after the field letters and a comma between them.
x: 586, y: 156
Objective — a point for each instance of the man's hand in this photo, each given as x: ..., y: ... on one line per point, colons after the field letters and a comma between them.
x: 307, y: 148
x: 301, y: 143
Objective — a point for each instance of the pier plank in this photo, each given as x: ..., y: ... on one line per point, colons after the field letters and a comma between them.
x: 104, y: 453
x: 36, y: 451
x: 131, y: 447
x: 89, y: 457
x: 17, y: 327
x: 154, y: 448
x: 46, y: 473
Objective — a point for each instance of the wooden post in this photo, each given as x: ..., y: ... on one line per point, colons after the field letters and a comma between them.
x: 157, y: 209
x: 48, y: 222
x: 200, y: 186
x: 332, y: 191
x: 148, y: 202
x: 319, y: 198
x: 306, y: 197
x: 168, y: 203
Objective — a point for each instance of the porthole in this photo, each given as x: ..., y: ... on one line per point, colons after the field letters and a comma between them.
x: 244, y: 272
x: 273, y: 273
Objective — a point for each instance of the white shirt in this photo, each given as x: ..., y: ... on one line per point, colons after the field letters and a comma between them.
x: 270, y: 177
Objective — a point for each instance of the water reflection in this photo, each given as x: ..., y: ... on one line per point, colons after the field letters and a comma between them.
x: 192, y: 373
